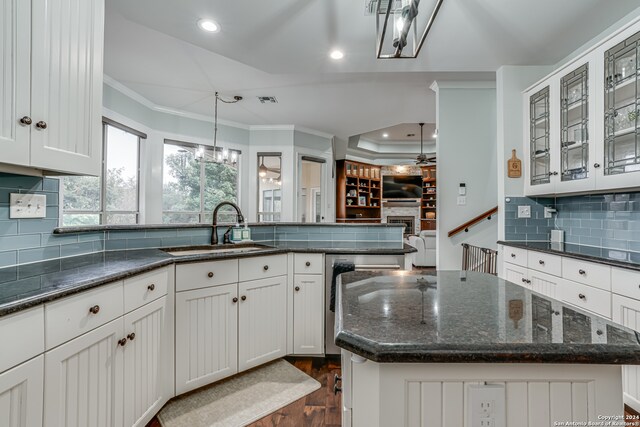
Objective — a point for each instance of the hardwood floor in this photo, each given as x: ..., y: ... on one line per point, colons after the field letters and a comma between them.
x: 318, y: 409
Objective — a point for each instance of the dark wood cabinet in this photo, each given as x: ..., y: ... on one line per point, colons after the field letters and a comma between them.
x: 358, y: 192
x: 429, y: 198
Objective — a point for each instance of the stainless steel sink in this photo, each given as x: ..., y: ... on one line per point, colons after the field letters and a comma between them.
x: 213, y: 250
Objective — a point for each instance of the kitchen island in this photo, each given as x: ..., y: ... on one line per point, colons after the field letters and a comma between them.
x: 435, y: 348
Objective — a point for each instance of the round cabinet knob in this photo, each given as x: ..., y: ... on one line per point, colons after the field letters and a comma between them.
x: 41, y: 125
x: 524, y: 280
x: 582, y: 297
x: 582, y: 272
x: 243, y: 297
x: 122, y: 342
x: 151, y: 287
x: 235, y: 300
x: 210, y: 274
x: 95, y: 309
x: 265, y: 268
x: 513, y: 255
x: 297, y: 288
x: 599, y: 332
x: 596, y: 165
x: 308, y: 264
x: 336, y: 389
x: 26, y: 120
x: 131, y: 336
x: 541, y: 262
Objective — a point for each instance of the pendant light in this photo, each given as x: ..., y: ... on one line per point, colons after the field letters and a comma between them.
x: 223, y: 156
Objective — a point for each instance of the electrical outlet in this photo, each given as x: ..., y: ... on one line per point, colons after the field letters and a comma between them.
x: 524, y: 211
x: 486, y: 405
x: 27, y: 205
x: 462, y: 200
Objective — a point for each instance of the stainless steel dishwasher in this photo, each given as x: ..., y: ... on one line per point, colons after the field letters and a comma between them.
x: 362, y: 262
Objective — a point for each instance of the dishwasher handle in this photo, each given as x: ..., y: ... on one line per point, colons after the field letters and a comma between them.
x: 365, y: 267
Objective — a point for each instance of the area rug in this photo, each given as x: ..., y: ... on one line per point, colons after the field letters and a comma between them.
x: 240, y: 400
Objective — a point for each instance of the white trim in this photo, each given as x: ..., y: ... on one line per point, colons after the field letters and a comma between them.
x: 272, y: 127
x: 313, y: 132
x: 110, y: 81
x: 448, y: 84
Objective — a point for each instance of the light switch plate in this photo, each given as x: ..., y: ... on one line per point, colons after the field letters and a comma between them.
x: 524, y: 211
x: 462, y: 200
x: 27, y: 205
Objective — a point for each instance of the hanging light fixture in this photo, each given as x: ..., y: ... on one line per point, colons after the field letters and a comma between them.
x: 262, y: 170
x: 411, y: 21
x: 422, y: 158
x: 223, y: 155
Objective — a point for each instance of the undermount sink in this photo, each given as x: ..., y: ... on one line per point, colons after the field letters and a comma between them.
x: 213, y: 250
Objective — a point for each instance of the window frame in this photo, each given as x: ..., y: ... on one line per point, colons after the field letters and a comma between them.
x: 260, y: 215
x: 103, y: 212
x: 202, y: 213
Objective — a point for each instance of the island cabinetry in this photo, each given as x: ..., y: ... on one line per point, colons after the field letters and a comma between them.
x: 21, y: 391
x: 308, y: 304
x: 230, y: 316
x: 51, y: 103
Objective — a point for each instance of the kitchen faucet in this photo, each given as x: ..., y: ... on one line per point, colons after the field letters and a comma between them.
x: 214, y: 232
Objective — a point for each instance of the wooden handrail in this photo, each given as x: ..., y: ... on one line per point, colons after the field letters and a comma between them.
x: 472, y: 222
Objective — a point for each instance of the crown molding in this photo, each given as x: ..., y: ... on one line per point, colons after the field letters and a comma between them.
x: 113, y: 83
x: 444, y: 84
x: 272, y: 127
x: 313, y: 132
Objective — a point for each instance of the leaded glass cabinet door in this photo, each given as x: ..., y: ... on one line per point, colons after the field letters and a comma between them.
x: 574, y: 125
x: 622, y: 110
x: 540, y: 138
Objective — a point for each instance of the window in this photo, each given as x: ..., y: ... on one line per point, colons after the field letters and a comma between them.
x: 193, y: 183
x: 113, y: 197
x: 269, y: 187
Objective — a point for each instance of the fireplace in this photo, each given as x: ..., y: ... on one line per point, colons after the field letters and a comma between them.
x: 408, y: 221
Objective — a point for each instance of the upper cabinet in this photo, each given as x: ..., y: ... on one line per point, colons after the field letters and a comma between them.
x: 51, y: 84
x: 582, y: 122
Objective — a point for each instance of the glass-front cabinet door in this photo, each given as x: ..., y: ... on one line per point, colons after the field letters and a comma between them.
x: 574, y: 125
x: 622, y: 109
x: 539, y: 141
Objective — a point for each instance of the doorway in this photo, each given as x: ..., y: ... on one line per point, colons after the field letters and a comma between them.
x: 310, y: 189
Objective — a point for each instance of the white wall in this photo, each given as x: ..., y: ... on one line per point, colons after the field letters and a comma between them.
x: 466, y: 152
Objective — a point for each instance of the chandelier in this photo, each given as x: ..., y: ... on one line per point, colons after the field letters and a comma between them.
x: 402, y: 26
x: 220, y: 155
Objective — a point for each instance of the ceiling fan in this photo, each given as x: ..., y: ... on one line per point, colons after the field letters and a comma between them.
x: 422, y: 158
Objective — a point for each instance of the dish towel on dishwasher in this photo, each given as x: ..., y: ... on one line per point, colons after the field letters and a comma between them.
x: 339, y: 268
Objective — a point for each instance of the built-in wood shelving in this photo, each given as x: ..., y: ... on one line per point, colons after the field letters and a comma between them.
x: 429, y: 198
x: 358, y: 192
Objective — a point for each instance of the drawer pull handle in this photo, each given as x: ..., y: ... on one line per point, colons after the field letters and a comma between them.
x: 308, y: 264
x: 131, y: 336
x: 265, y: 268
x: 151, y: 287
x: 541, y: 262
x: 243, y: 297
x: 95, y: 309
x: 210, y: 274
x: 235, y: 300
x: 599, y: 332
x: 297, y: 288
x: 513, y: 255
x: 582, y: 272
x: 122, y: 342
x: 582, y: 297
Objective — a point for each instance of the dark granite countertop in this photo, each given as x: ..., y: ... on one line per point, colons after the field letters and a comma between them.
x: 28, y: 285
x: 614, y: 257
x: 466, y: 317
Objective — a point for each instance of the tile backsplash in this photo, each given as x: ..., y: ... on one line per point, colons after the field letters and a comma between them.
x: 602, y: 220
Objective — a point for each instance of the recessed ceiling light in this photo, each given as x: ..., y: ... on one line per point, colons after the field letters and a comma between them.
x: 208, y: 25
x: 385, y: 135
x: 336, y: 54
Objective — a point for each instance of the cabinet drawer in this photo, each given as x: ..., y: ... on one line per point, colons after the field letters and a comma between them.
x: 307, y: 264
x: 25, y: 330
x: 262, y: 267
x: 586, y: 297
x: 142, y: 289
x: 550, y: 264
x: 515, y: 256
x: 626, y: 282
x: 597, y: 275
x: 74, y: 316
x: 205, y: 274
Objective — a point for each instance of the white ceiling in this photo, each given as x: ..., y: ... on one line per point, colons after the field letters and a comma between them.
x: 399, y: 134
x: 279, y: 48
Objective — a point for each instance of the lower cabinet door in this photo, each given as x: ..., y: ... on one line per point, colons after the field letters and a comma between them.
x: 308, y: 311
x: 21, y: 394
x: 626, y: 311
x: 515, y: 274
x: 206, y: 336
x: 147, y: 362
x: 84, y: 380
x: 262, y: 321
x: 544, y: 284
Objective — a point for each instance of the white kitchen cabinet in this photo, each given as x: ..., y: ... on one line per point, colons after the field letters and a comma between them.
x: 515, y: 274
x: 262, y: 321
x: 626, y: 311
x: 148, y: 362
x: 206, y: 336
x: 51, y: 115
x: 21, y: 391
x: 543, y: 283
x: 308, y: 310
x: 84, y: 379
